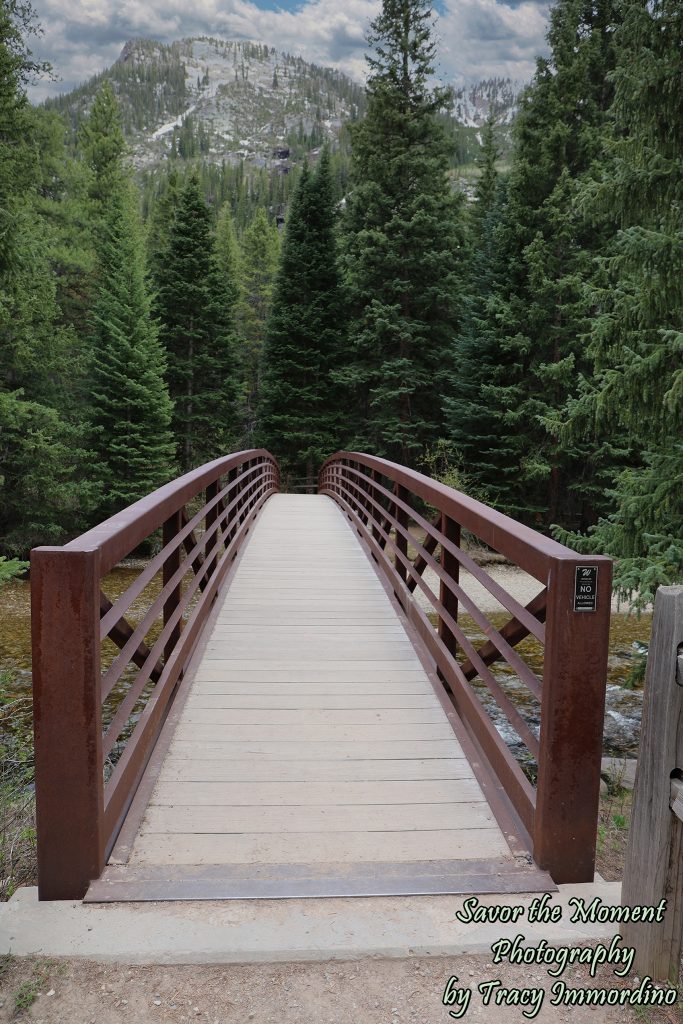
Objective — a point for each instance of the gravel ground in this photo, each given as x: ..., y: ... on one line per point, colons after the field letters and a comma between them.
x: 359, y: 992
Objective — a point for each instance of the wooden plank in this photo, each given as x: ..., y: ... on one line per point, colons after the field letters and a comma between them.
x: 310, y: 717
x: 315, y: 751
x: 375, y: 633
x: 245, y: 617
x: 312, y: 651
x: 282, y: 793
x: 300, y: 666
x: 293, y: 577
x: 359, y: 734
x: 253, y: 771
x: 316, y: 848
x: 313, y: 596
x: 208, y: 819
x: 278, y: 701
x: 222, y: 671
x: 335, y: 691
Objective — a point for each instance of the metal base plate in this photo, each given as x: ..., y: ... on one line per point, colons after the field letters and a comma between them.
x: 305, y: 881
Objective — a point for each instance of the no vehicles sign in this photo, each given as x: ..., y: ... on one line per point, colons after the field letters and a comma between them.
x: 586, y: 588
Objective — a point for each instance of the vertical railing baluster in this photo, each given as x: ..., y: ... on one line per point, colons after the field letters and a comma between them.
x: 367, y: 505
x: 401, y: 540
x: 67, y: 714
x: 572, y: 714
x: 376, y: 514
x: 231, y: 523
x: 211, y: 516
x: 242, y: 493
x: 451, y: 566
x: 170, y: 530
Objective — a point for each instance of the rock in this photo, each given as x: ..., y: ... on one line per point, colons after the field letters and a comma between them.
x: 621, y: 770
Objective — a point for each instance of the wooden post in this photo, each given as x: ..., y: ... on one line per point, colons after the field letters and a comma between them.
x: 451, y: 565
x: 654, y: 859
x: 67, y: 717
x: 572, y: 716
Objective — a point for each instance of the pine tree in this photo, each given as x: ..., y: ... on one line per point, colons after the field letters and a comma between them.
x: 61, y: 202
x: 487, y: 182
x: 130, y: 409
x: 536, y: 316
x: 161, y: 218
x: 196, y: 331
x: 259, y: 261
x: 300, y: 408
x: 474, y: 438
x: 403, y: 242
x: 42, y: 499
x: 636, y: 341
x: 228, y: 257
x: 101, y: 140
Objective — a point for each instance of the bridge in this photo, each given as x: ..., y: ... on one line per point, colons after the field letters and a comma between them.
x: 284, y: 695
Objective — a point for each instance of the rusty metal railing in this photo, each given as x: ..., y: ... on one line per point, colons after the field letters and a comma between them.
x: 392, y: 509
x: 103, y: 683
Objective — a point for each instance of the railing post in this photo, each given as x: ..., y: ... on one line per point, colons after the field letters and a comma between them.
x: 450, y: 565
x: 67, y: 713
x: 401, y: 540
x: 654, y: 859
x: 170, y: 530
x: 231, y: 521
x: 376, y: 514
x: 245, y: 492
x: 574, y: 680
x: 211, y: 517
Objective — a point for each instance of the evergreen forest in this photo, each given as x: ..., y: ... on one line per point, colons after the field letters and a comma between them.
x: 523, y: 342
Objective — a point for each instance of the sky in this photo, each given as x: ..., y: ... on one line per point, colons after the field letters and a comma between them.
x: 476, y: 38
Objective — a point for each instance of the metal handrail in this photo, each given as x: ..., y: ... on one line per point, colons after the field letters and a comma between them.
x: 382, y: 499
x: 79, y: 813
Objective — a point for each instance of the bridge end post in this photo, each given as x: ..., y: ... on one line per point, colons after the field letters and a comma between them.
x: 572, y: 717
x: 67, y: 710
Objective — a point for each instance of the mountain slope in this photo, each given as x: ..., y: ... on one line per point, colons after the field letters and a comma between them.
x: 219, y: 99
x: 472, y: 103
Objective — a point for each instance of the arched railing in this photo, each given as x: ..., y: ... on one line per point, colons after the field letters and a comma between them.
x: 413, y: 527
x: 110, y: 647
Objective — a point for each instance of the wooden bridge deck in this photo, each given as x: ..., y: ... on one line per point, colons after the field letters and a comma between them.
x: 309, y: 752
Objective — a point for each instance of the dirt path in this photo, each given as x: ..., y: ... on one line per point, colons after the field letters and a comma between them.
x: 362, y: 992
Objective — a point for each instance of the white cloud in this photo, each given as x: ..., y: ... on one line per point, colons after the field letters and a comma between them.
x: 486, y: 38
x: 477, y: 38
